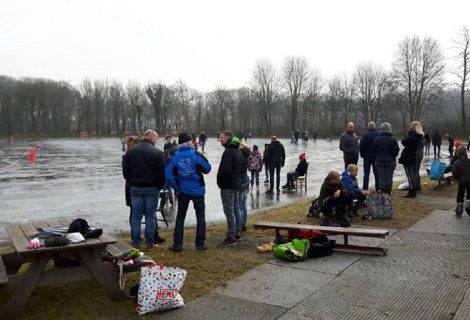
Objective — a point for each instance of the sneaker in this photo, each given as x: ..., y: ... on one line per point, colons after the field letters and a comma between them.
x: 228, y: 242
x: 459, y: 209
x: 238, y: 237
x: 467, y: 206
x: 175, y: 249
x: 158, y: 240
x: 270, y: 191
x: 201, y: 248
x: 266, y: 181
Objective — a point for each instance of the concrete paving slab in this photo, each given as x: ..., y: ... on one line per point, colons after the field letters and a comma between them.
x: 443, y: 221
x: 463, y: 313
x: 219, y: 307
x: 282, y: 286
x: 334, y: 264
x: 430, y: 240
x: 383, y: 291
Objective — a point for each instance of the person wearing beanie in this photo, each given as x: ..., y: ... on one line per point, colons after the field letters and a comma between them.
x: 385, y: 149
x: 229, y: 179
x: 184, y: 173
x: 300, y: 171
x: 255, y: 165
x: 461, y: 171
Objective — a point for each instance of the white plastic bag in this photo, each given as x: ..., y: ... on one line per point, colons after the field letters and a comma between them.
x: 159, y: 288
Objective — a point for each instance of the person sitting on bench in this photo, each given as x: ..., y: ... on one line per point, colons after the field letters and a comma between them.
x: 349, y: 180
x: 332, y: 202
x: 298, y: 172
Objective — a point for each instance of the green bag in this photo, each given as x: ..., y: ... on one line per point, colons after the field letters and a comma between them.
x: 296, y: 250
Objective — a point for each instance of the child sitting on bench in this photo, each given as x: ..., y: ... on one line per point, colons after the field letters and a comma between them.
x: 332, y: 202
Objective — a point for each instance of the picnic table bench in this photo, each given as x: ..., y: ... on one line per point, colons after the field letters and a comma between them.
x: 88, y: 253
x: 345, y: 232
x: 3, y: 273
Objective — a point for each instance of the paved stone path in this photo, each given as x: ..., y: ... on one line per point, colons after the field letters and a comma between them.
x: 426, y: 275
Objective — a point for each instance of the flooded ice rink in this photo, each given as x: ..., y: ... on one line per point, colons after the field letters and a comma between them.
x: 82, y: 178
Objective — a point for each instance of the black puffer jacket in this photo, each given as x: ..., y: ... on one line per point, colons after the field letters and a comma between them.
x: 142, y: 166
x: 461, y: 170
x: 229, y: 175
x: 302, y: 167
x: 411, y: 143
x: 276, y: 153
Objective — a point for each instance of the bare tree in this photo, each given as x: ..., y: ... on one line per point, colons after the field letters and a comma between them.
x: 134, y: 95
x: 418, y: 70
x: 295, y: 73
x: 333, y: 101
x: 265, y: 85
x: 312, y: 99
x: 463, y: 71
x: 155, y: 93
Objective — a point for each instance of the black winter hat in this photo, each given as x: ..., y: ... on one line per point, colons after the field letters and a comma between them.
x: 184, y: 137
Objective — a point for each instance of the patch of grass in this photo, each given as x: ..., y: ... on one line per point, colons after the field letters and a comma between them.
x: 209, y: 269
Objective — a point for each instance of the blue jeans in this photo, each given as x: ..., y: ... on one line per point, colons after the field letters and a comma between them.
x: 367, y: 165
x: 200, y: 208
x: 242, y: 205
x: 144, y: 201
x: 231, y: 204
x: 254, y: 178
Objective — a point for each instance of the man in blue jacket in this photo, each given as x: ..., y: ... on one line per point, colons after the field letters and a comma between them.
x: 349, y: 180
x: 184, y: 173
x: 365, y: 149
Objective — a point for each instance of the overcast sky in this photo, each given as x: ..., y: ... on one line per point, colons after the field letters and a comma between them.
x: 210, y: 43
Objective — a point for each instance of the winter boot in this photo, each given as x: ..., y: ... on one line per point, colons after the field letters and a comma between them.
x: 459, y: 209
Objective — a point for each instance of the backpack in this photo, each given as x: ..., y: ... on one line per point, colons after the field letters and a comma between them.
x: 296, y: 250
x: 320, y: 246
x: 313, y: 211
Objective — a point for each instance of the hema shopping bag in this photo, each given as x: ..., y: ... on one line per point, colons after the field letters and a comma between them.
x: 159, y: 288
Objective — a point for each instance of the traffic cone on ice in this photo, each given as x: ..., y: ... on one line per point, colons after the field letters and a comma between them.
x: 32, y: 155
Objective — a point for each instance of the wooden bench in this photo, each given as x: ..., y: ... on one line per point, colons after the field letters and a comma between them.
x: 121, y: 247
x: 345, y: 232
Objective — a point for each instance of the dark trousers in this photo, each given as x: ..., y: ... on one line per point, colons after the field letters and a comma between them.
x: 413, y: 176
x: 200, y: 208
x: 290, y: 178
x: 340, y: 204
x: 360, y: 200
x: 461, y: 191
x: 254, y: 178
x: 274, y: 166
x: 367, y: 165
x: 438, y: 151
x: 451, y: 150
x: 266, y: 172
x: 350, y: 159
x: 385, y: 172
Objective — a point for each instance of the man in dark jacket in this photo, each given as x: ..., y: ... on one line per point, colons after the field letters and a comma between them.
x: 451, y: 141
x: 229, y: 179
x: 348, y: 144
x: 202, y: 140
x: 298, y: 172
x: 461, y: 171
x: 275, y: 157
x: 143, y: 168
x: 436, y: 143
x: 365, y: 149
x: 184, y: 173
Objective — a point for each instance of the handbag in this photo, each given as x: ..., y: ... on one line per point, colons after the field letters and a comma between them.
x: 379, y: 206
x: 159, y: 288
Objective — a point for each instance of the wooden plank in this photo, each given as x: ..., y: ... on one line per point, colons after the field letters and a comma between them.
x: 378, y: 233
x: 40, y: 224
x: 3, y: 272
x: 114, y: 250
x: 56, y: 223
x: 30, y: 230
x: 17, y: 236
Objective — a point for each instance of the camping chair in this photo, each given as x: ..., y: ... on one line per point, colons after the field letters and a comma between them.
x: 437, y: 173
x: 301, y: 182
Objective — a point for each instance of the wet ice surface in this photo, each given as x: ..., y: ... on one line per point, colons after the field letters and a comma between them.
x: 82, y: 178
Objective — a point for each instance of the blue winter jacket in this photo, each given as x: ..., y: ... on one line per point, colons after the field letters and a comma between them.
x: 184, y: 172
x: 350, y: 182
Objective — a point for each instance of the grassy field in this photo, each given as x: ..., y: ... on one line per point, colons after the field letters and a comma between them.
x: 207, y: 269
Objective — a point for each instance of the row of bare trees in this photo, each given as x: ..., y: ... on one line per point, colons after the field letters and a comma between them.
x: 277, y: 99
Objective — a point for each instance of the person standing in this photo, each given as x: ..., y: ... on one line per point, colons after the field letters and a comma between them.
x: 348, y: 143
x: 276, y: 157
x: 143, y: 167
x: 296, y: 136
x: 202, y: 140
x: 436, y: 143
x: 255, y: 165
x: 266, y: 165
x: 427, y: 140
x: 450, y: 139
x: 461, y: 171
x: 385, y: 149
x: 244, y: 185
x: 168, y: 144
x: 184, y: 173
x: 409, y: 157
x: 365, y: 149
x: 229, y: 178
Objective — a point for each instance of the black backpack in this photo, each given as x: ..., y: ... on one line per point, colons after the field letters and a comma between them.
x: 320, y: 246
x: 313, y: 211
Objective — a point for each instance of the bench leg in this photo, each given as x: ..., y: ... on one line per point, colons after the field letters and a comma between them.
x: 23, y: 291
x: 102, y: 275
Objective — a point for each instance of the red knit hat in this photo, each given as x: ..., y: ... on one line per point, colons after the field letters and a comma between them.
x: 302, y: 155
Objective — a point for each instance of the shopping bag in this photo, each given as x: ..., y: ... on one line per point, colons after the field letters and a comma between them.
x: 296, y: 250
x: 159, y: 289
x: 437, y: 170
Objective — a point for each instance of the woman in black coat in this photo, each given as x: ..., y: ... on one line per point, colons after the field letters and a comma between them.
x: 411, y: 157
x: 385, y: 149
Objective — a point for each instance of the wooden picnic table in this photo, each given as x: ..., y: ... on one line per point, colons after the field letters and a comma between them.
x: 87, y: 253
